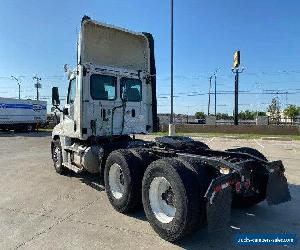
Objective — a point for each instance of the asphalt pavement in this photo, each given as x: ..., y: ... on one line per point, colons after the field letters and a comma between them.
x: 40, y: 209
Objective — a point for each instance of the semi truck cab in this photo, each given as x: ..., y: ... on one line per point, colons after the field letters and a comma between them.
x: 112, y: 90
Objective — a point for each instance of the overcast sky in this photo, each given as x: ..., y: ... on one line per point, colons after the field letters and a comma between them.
x: 39, y: 37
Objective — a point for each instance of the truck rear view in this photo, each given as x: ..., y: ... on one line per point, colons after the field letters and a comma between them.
x: 182, y: 184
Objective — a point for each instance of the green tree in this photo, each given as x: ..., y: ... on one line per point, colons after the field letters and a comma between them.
x: 224, y: 116
x: 291, y: 112
x: 199, y: 115
x: 247, y: 115
x: 261, y: 113
x: 274, y: 110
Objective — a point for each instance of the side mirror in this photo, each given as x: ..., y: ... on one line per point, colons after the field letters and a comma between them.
x: 66, y: 111
x: 55, y: 96
x: 66, y: 68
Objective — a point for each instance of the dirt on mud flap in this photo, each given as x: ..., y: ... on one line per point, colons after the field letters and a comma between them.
x: 277, y: 188
x: 219, y: 198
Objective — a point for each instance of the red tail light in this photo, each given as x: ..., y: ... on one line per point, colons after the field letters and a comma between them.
x: 238, y: 187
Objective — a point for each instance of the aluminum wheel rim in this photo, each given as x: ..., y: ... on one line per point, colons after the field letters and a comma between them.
x: 116, y: 181
x: 164, y: 212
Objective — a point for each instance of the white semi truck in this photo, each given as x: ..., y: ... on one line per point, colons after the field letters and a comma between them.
x: 182, y: 184
x: 22, y: 115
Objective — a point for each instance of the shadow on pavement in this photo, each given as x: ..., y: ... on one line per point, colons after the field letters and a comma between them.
x: 25, y: 134
x: 91, y: 180
x: 283, y: 218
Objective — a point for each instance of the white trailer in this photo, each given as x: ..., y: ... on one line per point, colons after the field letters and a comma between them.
x: 22, y: 115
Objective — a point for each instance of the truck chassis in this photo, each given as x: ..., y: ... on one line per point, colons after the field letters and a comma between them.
x: 182, y: 184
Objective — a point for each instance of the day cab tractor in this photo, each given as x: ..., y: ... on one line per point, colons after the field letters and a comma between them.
x: 182, y: 184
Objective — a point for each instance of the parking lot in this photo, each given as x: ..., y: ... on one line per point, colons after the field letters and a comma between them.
x: 40, y: 209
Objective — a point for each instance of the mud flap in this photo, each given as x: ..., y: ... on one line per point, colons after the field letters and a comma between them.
x: 277, y: 188
x: 218, y: 209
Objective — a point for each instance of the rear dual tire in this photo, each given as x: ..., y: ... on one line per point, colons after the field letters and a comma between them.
x: 168, y: 189
x: 123, y: 180
x: 171, y: 217
x: 251, y: 151
x: 260, y: 175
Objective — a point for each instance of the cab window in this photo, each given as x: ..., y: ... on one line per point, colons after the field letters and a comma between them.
x: 131, y: 89
x: 71, y: 92
x: 103, y: 87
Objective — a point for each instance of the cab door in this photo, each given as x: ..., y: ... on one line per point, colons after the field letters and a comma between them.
x: 134, y: 117
x: 103, y: 90
x: 69, y: 124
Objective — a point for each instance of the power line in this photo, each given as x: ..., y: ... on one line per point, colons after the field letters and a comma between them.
x: 230, y: 92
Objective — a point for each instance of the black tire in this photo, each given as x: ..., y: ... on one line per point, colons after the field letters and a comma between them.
x: 201, y: 144
x: 132, y: 175
x: 242, y: 202
x: 20, y: 129
x: 31, y: 127
x: 144, y: 157
x: 205, y: 174
x: 57, y: 157
x: 260, y: 176
x: 180, y: 142
x: 185, y: 188
x: 250, y: 151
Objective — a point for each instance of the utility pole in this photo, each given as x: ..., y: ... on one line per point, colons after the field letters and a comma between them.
x: 208, y: 109
x: 215, y: 75
x: 188, y: 112
x: 235, y: 70
x: 172, y: 38
x: 37, y: 85
x: 209, y: 92
x: 171, y: 125
x: 215, y: 95
x: 18, y: 82
x: 236, y: 95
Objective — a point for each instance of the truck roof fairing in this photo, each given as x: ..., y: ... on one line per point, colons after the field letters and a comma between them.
x: 107, y: 45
